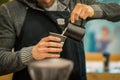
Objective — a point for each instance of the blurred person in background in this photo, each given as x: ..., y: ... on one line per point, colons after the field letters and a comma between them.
x: 104, y: 40
x: 102, y: 44
x: 25, y: 26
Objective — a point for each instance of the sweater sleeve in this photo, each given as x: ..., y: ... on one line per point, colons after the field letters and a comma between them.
x: 107, y: 11
x: 11, y: 61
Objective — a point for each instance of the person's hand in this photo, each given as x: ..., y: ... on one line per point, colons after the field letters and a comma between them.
x: 81, y: 11
x: 46, y: 46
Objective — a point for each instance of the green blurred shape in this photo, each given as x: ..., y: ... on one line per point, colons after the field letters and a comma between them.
x: 3, y: 1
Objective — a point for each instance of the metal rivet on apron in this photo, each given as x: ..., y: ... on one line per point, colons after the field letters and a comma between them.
x: 61, y: 21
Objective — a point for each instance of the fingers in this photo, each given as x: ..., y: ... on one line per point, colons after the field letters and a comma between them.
x: 41, y: 53
x: 83, y: 14
x: 46, y: 46
x: 75, y: 13
x: 81, y: 11
x: 50, y: 41
x: 49, y: 50
x: 51, y: 38
x: 45, y: 55
x: 52, y: 55
x: 50, y: 44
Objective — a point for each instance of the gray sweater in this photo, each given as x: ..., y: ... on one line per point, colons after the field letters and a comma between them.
x: 12, y: 16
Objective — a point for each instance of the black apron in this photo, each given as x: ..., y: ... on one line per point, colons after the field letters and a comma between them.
x: 37, y: 25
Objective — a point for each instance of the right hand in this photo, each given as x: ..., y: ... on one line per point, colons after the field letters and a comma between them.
x: 81, y: 11
x: 47, y: 45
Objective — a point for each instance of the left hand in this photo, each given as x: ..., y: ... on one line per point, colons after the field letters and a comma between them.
x: 46, y: 46
x: 82, y: 11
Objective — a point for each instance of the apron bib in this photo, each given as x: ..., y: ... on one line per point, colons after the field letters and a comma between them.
x: 37, y: 25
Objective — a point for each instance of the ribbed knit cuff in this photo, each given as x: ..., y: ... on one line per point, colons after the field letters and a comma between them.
x: 98, y: 11
x: 26, y: 55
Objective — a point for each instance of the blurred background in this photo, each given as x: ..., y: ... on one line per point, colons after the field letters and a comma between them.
x: 102, y: 48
